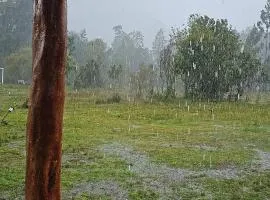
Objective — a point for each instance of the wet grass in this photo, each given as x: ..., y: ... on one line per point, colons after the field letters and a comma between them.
x: 189, y: 135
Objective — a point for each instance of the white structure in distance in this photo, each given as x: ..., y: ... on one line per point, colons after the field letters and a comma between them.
x: 2, y: 75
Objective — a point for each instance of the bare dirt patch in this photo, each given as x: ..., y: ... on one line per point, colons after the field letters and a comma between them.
x: 102, y: 188
x: 160, y: 177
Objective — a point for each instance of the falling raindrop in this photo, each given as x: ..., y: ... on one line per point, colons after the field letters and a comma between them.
x: 214, y: 48
x: 201, y: 39
x: 242, y: 49
x: 200, y: 76
x: 190, y: 43
x: 213, y: 116
x: 202, y: 48
x: 216, y: 74
x: 188, y: 74
x: 194, y: 66
x: 240, y: 71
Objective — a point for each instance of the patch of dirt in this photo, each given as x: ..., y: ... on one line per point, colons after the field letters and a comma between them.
x: 226, y: 173
x: 200, y: 147
x: 140, y: 164
x: 16, y: 144
x: 103, y: 188
x: 159, y: 178
x: 264, y: 160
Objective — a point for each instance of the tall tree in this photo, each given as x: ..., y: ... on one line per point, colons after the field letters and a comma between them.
x: 158, y: 45
x: 45, y: 115
x: 128, y: 51
x: 212, y: 60
x: 168, y: 71
x: 94, y: 72
x: 79, y: 47
x: 158, y: 48
x: 15, y: 26
x: 265, y: 25
x: 18, y: 66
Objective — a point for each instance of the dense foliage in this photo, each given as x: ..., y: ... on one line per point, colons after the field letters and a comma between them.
x: 211, y: 59
x: 206, y: 59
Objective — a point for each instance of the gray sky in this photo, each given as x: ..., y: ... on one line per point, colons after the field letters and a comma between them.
x: 99, y: 16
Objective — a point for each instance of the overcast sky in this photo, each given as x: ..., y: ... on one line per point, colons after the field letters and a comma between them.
x: 99, y: 16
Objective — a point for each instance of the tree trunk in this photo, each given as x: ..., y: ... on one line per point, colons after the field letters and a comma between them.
x: 45, y: 116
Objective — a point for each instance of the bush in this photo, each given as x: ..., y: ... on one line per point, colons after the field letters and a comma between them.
x: 25, y: 104
x: 116, y: 98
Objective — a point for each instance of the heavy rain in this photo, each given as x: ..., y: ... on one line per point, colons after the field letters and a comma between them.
x: 163, y: 99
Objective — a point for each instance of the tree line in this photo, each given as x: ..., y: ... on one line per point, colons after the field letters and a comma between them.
x: 206, y: 59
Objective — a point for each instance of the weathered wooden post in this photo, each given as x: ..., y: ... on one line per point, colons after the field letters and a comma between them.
x: 45, y: 117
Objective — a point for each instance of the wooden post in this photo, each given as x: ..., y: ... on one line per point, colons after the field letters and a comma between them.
x: 45, y: 116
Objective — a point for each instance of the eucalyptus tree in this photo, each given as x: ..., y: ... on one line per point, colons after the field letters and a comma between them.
x: 18, y: 66
x: 15, y: 26
x: 114, y: 74
x: 159, y: 45
x: 168, y: 71
x: 93, y: 73
x: 258, y: 41
x: 264, y: 24
x: 128, y: 51
x: 78, y: 46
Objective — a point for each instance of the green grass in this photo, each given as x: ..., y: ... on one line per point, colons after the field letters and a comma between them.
x: 168, y: 134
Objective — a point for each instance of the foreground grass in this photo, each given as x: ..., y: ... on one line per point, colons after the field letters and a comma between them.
x: 207, y: 136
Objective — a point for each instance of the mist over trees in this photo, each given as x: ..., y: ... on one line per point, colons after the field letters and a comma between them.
x: 206, y: 59
x: 15, y: 26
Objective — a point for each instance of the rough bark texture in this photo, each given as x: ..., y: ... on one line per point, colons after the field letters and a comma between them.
x: 45, y: 117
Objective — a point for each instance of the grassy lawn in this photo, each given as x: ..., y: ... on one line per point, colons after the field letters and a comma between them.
x: 178, y: 150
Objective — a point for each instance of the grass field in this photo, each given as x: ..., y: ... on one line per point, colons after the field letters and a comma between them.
x: 178, y: 150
